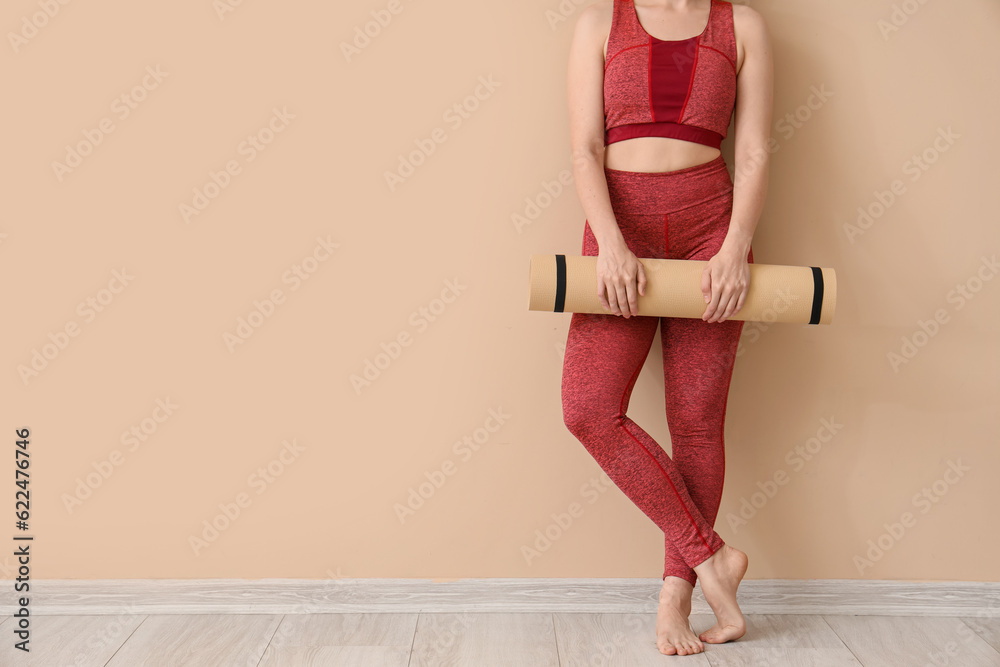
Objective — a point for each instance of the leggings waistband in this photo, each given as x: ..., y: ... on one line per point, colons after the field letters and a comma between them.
x: 668, y: 191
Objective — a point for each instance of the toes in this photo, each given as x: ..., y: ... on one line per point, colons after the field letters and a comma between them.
x: 666, y: 648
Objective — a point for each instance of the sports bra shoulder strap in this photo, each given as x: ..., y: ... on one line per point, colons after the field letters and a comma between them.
x: 625, y: 28
x: 720, y: 34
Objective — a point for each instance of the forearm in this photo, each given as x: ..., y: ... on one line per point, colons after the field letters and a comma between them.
x: 749, y: 193
x: 592, y: 190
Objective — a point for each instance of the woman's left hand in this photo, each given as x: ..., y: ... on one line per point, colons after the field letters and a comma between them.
x: 725, y: 282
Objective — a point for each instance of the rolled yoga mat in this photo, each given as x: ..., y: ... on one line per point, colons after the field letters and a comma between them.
x: 777, y: 293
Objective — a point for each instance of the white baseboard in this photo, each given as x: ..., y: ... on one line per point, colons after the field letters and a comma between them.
x: 300, y: 596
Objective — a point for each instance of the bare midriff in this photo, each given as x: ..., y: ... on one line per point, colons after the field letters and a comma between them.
x: 653, y: 154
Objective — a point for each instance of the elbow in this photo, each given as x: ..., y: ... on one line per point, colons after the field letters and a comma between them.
x: 587, y: 154
x: 753, y: 160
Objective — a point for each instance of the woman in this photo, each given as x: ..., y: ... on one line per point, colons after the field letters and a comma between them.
x: 648, y: 111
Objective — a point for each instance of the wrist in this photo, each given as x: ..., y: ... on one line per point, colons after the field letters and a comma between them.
x: 737, y: 245
x: 613, y: 241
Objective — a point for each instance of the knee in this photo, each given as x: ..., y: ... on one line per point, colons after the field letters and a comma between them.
x: 704, y: 430
x: 695, y: 416
x: 575, y: 417
x: 584, y: 417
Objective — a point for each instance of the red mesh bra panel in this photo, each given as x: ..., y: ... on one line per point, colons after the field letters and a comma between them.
x: 684, y: 89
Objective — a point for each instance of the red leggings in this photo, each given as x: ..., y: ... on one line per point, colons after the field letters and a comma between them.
x: 682, y: 214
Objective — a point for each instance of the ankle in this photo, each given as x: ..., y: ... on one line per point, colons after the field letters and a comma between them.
x: 676, y: 593
x: 708, y: 567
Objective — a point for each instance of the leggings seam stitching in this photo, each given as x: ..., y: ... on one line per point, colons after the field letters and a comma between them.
x: 621, y: 422
x: 671, y: 482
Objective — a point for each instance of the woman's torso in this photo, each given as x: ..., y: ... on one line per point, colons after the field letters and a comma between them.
x: 660, y: 153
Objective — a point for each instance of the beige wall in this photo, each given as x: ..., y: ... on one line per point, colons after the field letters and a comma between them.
x: 343, y: 460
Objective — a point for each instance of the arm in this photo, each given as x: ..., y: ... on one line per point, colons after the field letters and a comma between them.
x: 754, y: 87
x: 618, y: 270
x: 727, y: 279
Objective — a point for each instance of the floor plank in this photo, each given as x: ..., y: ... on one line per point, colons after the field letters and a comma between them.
x: 614, y: 640
x: 197, y: 640
x: 81, y: 641
x: 986, y: 626
x: 345, y: 630
x: 488, y: 639
x: 484, y: 640
x: 378, y: 640
x: 779, y: 639
x: 889, y: 641
x: 335, y: 656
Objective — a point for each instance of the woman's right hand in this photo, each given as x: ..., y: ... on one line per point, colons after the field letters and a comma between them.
x: 619, y: 272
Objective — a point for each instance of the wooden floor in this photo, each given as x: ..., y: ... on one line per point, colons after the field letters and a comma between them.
x: 492, y: 638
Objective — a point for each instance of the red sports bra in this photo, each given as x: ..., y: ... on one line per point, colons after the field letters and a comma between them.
x: 685, y: 89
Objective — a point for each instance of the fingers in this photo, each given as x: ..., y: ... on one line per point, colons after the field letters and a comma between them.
x: 619, y: 288
x: 600, y: 293
x: 724, y: 293
x: 741, y: 301
x: 729, y: 302
x: 633, y: 298
x: 635, y: 286
x: 713, y: 306
x: 726, y: 306
x: 623, y: 299
x: 610, y: 295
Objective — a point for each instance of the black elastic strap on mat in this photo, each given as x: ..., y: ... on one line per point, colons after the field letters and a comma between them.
x: 560, y: 283
x: 817, y: 306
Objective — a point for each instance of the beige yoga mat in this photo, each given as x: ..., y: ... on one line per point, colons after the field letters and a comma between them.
x: 777, y: 293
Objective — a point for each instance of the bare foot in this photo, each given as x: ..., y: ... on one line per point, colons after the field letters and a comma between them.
x: 720, y: 576
x: 673, y: 632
